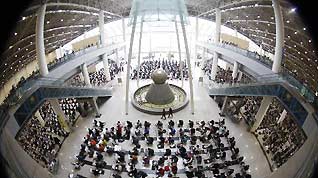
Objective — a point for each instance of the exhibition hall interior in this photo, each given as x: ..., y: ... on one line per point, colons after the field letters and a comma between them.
x: 159, y: 88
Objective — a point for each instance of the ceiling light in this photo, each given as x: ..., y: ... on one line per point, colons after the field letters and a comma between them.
x: 268, y: 24
x: 304, y: 29
x: 296, y: 33
x: 62, y: 20
x: 309, y: 41
x: 18, y: 49
x: 292, y: 10
x: 258, y: 16
x: 31, y: 42
x: 287, y: 21
x: 246, y: 16
x: 16, y: 56
x: 47, y: 22
x: 305, y: 52
x: 15, y: 33
x: 272, y: 18
x: 23, y: 18
x: 27, y: 49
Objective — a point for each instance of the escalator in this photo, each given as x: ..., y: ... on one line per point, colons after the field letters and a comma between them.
x: 291, y: 99
x: 27, y: 104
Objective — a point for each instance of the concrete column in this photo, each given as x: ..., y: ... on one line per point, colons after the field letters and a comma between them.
x: 267, y: 100
x: 282, y: 117
x: 216, y: 41
x: 117, y: 57
x: 196, y: 38
x: 86, y: 75
x: 224, y: 105
x: 279, y: 37
x: 39, y: 41
x: 240, y: 74
x: 106, y: 68
x: 139, y: 50
x: 179, y: 52
x: 39, y: 118
x: 235, y: 70
x: 124, y: 35
x: 60, y: 114
x: 103, y: 44
x: 94, y: 104
x: 129, y: 60
x: 188, y: 61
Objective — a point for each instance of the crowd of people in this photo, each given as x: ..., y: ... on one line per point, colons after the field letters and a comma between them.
x: 171, y: 67
x: 280, y: 139
x: 42, y: 137
x: 70, y: 107
x: 191, y: 148
x: 224, y: 76
x: 250, y: 108
x: 97, y: 78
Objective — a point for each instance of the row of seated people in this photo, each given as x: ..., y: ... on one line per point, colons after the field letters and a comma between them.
x: 250, y: 108
x: 200, y: 146
x: 42, y: 135
x: 97, y: 78
x: 281, y: 139
x: 70, y: 107
x: 229, y: 43
x: 172, y: 68
x: 223, y: 76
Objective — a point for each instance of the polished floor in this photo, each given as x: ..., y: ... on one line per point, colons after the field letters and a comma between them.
x: 205, y: 109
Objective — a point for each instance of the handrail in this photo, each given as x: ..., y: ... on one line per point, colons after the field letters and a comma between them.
x: 277, y: 77
x: 27, y: 83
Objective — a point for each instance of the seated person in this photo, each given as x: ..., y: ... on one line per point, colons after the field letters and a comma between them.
x: 117, y: 167
x: 180, y: 123
x: 149, y: 140
x: 146, y: 160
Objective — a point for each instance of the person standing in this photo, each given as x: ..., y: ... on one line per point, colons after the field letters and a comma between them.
x: 163, y: 116
x: 170, y: 113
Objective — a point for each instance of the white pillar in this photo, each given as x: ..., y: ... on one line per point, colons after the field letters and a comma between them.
x: 188, y: 61
x: 179, y: 52
x: 86, y: 75
x: 139, y: 50
x: 129, y: 60
x: 94, y: 104
x: 282, y: 116
x: 240, y: 76
x: 267, y: 100
x: 279, y: 37
x: 196, y: 38
x: 224, y: 105
x: 103, y: 44
x: 235, y: 70
x: 117, y: 58
x: 124, y: 36
x: 39, y: 41
x: 216, y: 41
x: 60, y: 114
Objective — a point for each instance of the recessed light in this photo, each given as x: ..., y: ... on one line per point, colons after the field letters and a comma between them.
x: 304, y: 29
x: 47, y: 22
x: 15, y: 33
x: 287, y: 21
x: 309, y: 41
x: 62, y: 20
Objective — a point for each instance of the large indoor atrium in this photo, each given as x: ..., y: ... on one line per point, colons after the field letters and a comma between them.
x: 159, y: 88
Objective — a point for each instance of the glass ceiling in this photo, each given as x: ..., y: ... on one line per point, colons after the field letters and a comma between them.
x: 158, y: 10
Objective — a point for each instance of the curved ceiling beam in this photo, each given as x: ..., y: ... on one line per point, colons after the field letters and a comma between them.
x: 73, y: 5
x: 230, y: 4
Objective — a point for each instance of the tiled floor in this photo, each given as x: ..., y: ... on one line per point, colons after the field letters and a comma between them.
x: 205, y: 109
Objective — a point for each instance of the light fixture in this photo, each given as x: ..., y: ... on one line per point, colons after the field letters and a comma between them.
x: 292, y: 10
x: 287, y: 21
x: 295, y: 33
x: 15, y: 33
x: 304, y: 29
x: 23, y: 18
x: 309, y: 41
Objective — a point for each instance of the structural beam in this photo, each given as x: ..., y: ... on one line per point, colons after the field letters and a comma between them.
x: 86, y: 75
x: 188, y: 61
x: 39, y: 41
x: 129, y: 59
x: 235, y: 70
x: 103, y: 44
x: 279, y: 37
x: 179, y: 53
x: 124, y: 35
x: 139, y: 50
x: 267, y: 100
x: 216, y: 41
